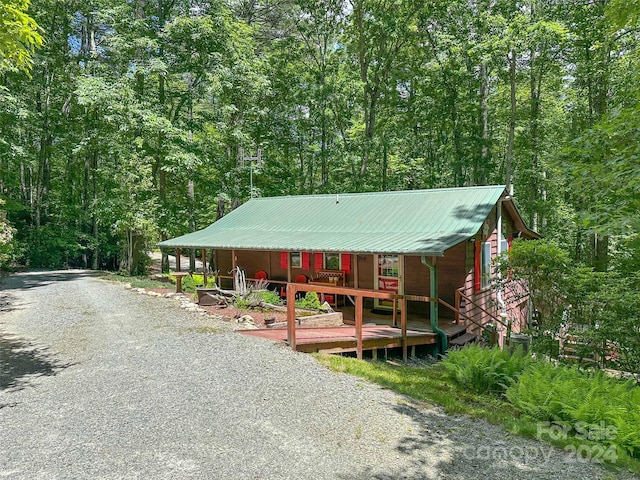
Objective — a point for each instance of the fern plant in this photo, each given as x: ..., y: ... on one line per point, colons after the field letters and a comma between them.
x: 485, y: 369
x: 585, y: 402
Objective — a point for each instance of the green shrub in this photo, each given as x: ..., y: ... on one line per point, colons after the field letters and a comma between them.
x: 583, y: 401
x: 199, y: 280
x: 271, y: 297
x: 485, y: 369
x: 310, y: 301
x: 241, y: 303
x: 188, y: 284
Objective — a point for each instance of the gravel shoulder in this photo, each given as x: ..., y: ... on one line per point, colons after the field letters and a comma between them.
x: 101, y: 382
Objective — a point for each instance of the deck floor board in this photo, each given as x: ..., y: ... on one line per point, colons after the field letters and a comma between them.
x: 312, y: 339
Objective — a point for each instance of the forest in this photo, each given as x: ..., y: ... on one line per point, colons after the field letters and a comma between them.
x: 123, y: 123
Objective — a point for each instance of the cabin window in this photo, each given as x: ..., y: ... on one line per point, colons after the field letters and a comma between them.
x: 332, y: 261
x: 504, y: 246
x: 296, y: 260
x: 486, y: 264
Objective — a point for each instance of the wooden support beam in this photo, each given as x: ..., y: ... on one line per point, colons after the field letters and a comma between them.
x: 359, y: 326
x: 204, y: 267
x: 216, y: 262
x: 403, y: 327
x: 355, y: 271
x: 233, y: 267
x: 395, y: 313
x: 178, y: 255
x: 291, y: 316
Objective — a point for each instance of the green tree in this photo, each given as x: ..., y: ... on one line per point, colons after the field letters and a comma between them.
x: 19, y: 36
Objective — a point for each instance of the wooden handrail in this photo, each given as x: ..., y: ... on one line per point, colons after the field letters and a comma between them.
x: 468, y: 299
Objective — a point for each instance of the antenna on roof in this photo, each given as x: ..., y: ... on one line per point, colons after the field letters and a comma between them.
x: 337, y: 198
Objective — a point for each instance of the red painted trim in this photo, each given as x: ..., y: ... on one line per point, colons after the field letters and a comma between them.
x: 346, y: 263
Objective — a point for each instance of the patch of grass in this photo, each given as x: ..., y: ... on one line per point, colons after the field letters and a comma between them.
x: 425, y: 383
x: 136, y: 282
x: 206, y: 329
x: 433, y: 384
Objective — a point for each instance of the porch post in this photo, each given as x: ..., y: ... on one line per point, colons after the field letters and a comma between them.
x: 359, y: 326
x: 403, y: 325
x: 178, y: 255
x: 355, y: 271
x: 291, y: 316
x: 434, y: 291
x: 233, y: 267
x: 216, y: 262
x: 394, y: 320
x: 433, y: 301
x: 204, y: 267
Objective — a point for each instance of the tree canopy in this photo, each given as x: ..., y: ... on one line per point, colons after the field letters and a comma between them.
x: 146, y: 119
x: 19, y: 36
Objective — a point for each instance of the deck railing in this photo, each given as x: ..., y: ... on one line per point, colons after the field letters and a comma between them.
x: 478, y: 315
x: 359, y: 295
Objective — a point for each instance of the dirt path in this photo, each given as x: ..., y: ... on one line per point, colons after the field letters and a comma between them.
x: 100, y: 382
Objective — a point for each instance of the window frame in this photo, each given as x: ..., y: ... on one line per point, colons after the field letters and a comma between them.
x: 293, y: 256
x: 325, y: 264
x: 485, y: 264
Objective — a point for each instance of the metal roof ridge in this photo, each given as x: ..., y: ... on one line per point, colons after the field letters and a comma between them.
x: 385, y: 192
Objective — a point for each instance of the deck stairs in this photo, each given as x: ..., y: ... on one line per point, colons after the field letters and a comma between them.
x: 457, y: 336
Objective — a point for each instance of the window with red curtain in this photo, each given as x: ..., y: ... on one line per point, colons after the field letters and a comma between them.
x: 306, y: 261
x: 284, y: 259
x: 318, y: 261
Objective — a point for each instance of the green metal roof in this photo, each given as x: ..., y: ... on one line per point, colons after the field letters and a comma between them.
x: 419, y: 222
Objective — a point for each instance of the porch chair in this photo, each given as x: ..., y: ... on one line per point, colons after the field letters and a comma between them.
x: 260, y: 275
x: 302, y: 278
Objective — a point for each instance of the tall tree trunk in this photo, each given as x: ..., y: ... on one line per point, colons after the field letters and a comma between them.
x: 534, y: 111
x: 480, y: 173
x: 512, y: 123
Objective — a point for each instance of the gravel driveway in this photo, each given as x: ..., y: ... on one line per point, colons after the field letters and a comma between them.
x: 100, y: 382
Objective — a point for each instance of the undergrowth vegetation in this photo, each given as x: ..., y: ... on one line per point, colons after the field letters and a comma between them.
x: 588, y: 413
x: 485, y: 370
x: 135, y: 282
x: 591, y: 402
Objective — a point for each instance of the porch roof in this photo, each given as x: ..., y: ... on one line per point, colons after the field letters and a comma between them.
x: 418, y: 222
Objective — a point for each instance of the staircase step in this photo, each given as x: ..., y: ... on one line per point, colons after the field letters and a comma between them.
x: 454, y: 330
x: 463, y: 340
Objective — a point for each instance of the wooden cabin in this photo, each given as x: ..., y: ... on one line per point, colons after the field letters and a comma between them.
x: 434, y: 244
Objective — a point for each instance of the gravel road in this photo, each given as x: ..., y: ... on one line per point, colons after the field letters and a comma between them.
x: 100, y: 382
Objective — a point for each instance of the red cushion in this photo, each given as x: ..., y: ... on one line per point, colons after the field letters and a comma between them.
x: 261, y: 275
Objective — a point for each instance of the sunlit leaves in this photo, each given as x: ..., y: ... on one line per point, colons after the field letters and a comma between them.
x: 19, y: 36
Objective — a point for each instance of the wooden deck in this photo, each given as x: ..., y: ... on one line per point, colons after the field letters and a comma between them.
x: 343, y: 339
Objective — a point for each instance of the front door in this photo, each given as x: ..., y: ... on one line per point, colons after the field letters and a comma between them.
x: 388, y: 277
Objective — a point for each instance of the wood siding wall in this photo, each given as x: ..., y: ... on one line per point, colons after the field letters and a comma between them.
x: 514, y: 296
x: 455, y: 270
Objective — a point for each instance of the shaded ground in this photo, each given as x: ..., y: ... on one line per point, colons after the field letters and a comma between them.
x: 19, y: 360
x: 147, y: 390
